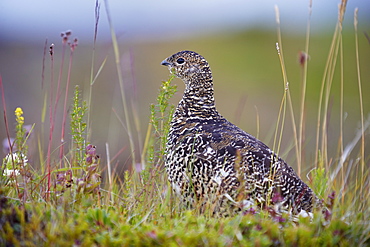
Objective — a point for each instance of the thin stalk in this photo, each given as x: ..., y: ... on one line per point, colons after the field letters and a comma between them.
x: 301, y: 137
x: 43, y: 64
x: 64, y: 42
x: 97, y: 15
x: 42, y: 132
x: 361, y: 104
x: 61, y: 148
x: 134, y: 105
x: 51, y: 119
x: 7, y: 127
x: 120, y: 79
x: 318, y: 125
x: 146, y: 144
x: 295, y: 134
x: 109, y: 172
x: 286, y: 98
x: 280, y: 124
x: 341, y: 109
x: 329, y: 82
x: 44, y: 108
x: 327, y: 78
x: 286, y: 86
x: 257, y: 122
x: 331, y: 73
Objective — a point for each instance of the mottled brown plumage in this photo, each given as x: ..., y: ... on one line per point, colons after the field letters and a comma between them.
x: 210, y: 161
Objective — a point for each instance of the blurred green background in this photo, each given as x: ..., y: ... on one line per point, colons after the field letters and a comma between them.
x: 247, y: 77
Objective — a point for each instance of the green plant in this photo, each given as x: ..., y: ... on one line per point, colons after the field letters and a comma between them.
x: 161, y: 114
x: 78, y: 128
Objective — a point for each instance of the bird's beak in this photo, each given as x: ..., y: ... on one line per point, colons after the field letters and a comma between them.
x: 165, y: 63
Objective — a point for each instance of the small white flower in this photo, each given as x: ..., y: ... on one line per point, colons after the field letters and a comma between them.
x: 10, y: 173
x: 12, y: 164
x: 305, y: 214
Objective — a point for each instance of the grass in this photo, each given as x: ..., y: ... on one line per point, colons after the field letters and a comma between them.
x: 74, y: 198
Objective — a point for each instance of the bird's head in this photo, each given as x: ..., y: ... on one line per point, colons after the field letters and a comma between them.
x: 188, y: 66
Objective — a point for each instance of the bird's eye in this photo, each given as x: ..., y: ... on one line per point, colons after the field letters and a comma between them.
x: 180, y: 60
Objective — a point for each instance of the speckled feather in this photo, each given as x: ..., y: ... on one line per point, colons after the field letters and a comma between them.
x: 210, y: 161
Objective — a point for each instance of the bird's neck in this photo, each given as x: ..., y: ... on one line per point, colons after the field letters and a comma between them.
x: 198, y: 100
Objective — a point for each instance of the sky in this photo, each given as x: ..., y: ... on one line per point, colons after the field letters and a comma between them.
x: 32, y: 21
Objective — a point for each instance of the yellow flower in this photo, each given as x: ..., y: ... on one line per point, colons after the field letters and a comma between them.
x: 18, y: 112
x: 19, y: 118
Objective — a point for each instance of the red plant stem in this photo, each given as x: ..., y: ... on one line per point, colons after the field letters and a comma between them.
x: 60, y: 77
x: 51, y: 113
x: 6, y: 126
x: 51, y: 130
x: 5, y: 118
x: 43, y: 64
x: 61, y: 149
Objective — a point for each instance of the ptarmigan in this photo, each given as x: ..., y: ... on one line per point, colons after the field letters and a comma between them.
x: 211, y: 162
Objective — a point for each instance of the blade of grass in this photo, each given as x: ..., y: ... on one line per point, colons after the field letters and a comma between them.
x: 341, y: 109
x: 7, y: 129
x: 51, y: 120
x: 282, y: 110
x: 92, y: 78
x: 64, y: 119
x: 286, y: 98
x: 325, y: 89
x: 99, y: 70
x: 43, y: 64
x: 146, y: 144
x: 120, y: 80
x: 301, y: 136
x: 5, y: 115
x: 361, y: 102
x: 109, y: 171
x: 257, y: 122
